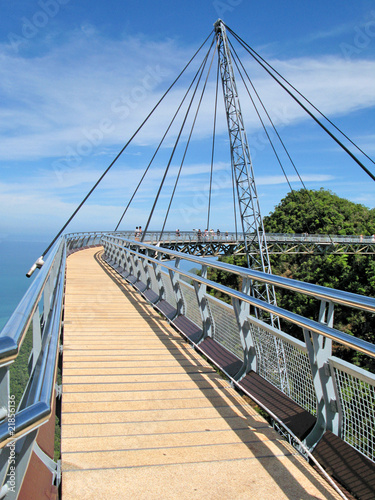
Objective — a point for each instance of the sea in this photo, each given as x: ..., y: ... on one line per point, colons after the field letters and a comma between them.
x: 16, y: 258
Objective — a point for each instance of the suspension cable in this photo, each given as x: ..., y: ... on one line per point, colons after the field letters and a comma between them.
x: 234, y: 198
x: 188, y: 141
x: 277, y: 134
x: 213, y: 144
x: 123, y: 149
x: 261, y: 120
x: 309, y: 102
x: 159, y: 145
x: 176, y: 143
x: 254, y: 56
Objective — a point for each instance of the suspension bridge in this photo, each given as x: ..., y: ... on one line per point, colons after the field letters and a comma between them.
x: 162, y: 382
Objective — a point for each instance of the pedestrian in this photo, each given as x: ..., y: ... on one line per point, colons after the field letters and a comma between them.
x: 199, y: 235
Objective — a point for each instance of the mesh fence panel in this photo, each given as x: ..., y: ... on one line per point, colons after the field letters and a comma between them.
x: 299, y: 385
x: 225, y: 331
x: 300, y: 381
x: 357, y: 400
x: 192, y: 311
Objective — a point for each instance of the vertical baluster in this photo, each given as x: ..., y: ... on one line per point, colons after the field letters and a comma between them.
x: 37, y: 338
x: 319, y: 350
x: 200, y: 291
x: 242, y: 312
x: 158, y: 275
x: 175, y: 277
x: 145, y: 264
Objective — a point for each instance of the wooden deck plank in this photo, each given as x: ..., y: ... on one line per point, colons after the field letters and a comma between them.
x: 144, y: 416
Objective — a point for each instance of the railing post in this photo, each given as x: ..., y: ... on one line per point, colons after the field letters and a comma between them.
x: 5, y: 399
x: 242, y: 312
x: 175, y: 277
x: 24, y: 449
x: 145, y: 264
x: 319, y: 350
x: 159, y: 279
x: 137, y: 271
x: 37, y: 339
x: 129, y: 262
x: 200, y: 291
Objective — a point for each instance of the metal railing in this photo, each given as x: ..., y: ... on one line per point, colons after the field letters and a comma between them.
x: 39, y: 317
x: 315, y: 378
x: 166, y: 237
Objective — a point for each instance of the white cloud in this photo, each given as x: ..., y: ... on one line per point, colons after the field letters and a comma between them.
x: 78, y: 103
x: 91, y: 91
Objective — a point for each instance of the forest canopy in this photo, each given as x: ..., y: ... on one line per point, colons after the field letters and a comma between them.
x: 323, y: 212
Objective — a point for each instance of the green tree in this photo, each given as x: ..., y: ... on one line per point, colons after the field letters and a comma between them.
x: 323, y: 212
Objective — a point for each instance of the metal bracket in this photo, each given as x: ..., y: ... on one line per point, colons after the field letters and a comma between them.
x: 54, y: 467
x: 58, y: 389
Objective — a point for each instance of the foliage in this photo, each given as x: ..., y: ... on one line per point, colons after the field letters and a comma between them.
x: 353, y: 273
x: 322, y: 212
x: 19, y: 374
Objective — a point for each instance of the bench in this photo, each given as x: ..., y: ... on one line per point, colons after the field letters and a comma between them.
x: 347, y: 465
x: 188, y: 328
x: 166, y: 309
x: 150, y: 295
x: 296, y: 418
x: 140, y: 286
x: 225, y: 360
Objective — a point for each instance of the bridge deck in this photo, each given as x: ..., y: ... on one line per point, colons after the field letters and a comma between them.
x: 144, y: 416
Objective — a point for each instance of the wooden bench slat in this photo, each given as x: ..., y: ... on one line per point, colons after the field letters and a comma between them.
x: 150, y: 295
x: 347, y: 465
x: 225, y: 360
x: 296, y: 418
x: 188, y: 328
x: 166, y: 308
x: 140, y: 286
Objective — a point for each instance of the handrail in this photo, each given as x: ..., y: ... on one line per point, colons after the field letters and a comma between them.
x: 314, y: 326
x: 38, y: 406
x: 320, y: 292
x: 233, y: 236
x: 12, y: 335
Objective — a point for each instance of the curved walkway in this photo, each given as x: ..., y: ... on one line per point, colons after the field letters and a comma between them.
x: 145, y: 417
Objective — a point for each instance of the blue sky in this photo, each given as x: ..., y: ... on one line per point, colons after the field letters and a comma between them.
x: 78, y: 77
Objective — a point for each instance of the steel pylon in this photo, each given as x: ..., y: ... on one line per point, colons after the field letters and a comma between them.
x: 249, y: 207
